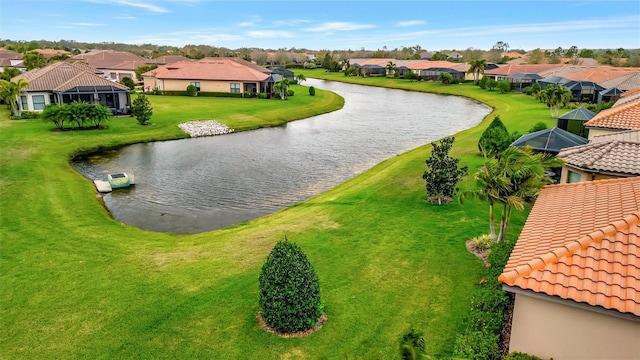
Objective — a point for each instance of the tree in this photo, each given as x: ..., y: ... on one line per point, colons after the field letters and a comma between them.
x: 34, y: 60
x: 504, y: 86
x: 439, y: 56
x: 9, y: 92
x: 555, y: 97
x: 289, y: 290
x: 495, y: 138
x: 491, y: 84
x: 56, y: 113
x: 128, y: 82
x: 143, y: 69
x: 282, y: 86
x: 391, y: 68
x: 442, y: 174
x: 476, y: 67
x: 141, y: 109
x: 445, y: 78
x: 192, y: 90
x: 484, y: 82
x: 300, y: 78
x: 412, y: 346
x: 512, y: 179
x: 502, y: 46
x: 411, y: 76
x: 9, y: 72
x: 312, y: 91
x: 535, y: 57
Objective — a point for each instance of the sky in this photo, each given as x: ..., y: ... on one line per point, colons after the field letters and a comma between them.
x: 333, y: 25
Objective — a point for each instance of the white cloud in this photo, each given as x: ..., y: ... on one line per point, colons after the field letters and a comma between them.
x: 410, y: 23
x: 134, y: 3
x: 340, y: 26
x: 268, y: 34
x: 85, y: 24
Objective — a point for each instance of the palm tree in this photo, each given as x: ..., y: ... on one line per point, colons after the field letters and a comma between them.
x: 391, y: 68
x: 555, y: 97
x: 282, y: 86
x: 512, y: 179
x: 300, y: 78
x: 9, y: 92
x: 476, y: 67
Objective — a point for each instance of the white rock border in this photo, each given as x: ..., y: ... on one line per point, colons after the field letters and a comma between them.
x: 204, y: 128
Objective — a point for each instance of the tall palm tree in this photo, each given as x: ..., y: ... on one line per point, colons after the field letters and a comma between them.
x: 476, y: 67
x: 9, y: 92
x: 391, y: 68
x: 282, y: 86
x: 555, y: 97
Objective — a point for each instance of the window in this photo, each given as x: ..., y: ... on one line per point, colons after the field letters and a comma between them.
x: 196, y: 84
x: 38, y: 102
x: 235, y: 87
x: 25, y: 105
x: 573, y: 177
x: 52, y: 99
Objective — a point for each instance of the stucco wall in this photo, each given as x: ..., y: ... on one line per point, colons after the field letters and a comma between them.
x: 548, y: 329
x: 181, y: 85
x: 595, y: 132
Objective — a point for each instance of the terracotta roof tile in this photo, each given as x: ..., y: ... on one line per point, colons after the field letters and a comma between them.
x: 635, y: 96
x: 624, y: 117
x: 629, y: 136
x: 168, y: 59
x: 106, y: 59
x: 598, y: 265
x: 601, y: 74
x: 224, y: 69
x: 522, y: 68
x: 8, y: 54
x: 62, y: 76
x: 626, y: 82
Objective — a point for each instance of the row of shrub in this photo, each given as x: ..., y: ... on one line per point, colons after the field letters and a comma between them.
x: 78, y: 113
x: 490, y: 84
x: 27, y: 115
x: 481, y: 337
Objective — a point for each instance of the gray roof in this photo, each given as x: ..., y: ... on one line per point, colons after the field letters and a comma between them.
x: 550, y: 140
x: 578, y: 114
x: 524, y: 76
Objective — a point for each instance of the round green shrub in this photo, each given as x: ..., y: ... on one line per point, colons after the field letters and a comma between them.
x: 312, y: 91
x: 289, y: 290
x: 192, y: 90
x: 520, y: 356
x: 290, y: 92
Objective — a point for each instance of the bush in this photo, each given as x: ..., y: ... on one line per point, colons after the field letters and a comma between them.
x: 483, y: 82
x: 290, y: 92
x: 141, y: 109
x: 535, y: 88
x: 312, y: 91
x: 289, y: 290
x: 495, y: 138
x: 504, y: 86
x: 128, y: 82
x: 538, y: 126
x: 412, y: 346
x: 261, y: 95
x: 156, y: 91
x: 246, y: 94
x: 482, y: 242
x: 478, y: 345
x: 27, y: 115
x: 219, y: 94
x: 520, y: 356
x: 455, y: 81
x: 192, y: 90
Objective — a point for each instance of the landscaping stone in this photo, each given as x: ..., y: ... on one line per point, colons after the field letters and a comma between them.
x: 204, y: 128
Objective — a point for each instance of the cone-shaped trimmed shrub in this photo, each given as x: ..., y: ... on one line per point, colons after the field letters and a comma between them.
x: 289, y: 290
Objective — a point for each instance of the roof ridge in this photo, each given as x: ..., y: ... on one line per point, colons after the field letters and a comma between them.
x: 595, y: 182
x: 570, y: 247
x: 72, y: 78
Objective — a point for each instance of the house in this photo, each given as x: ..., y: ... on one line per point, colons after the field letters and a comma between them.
x: 606, y: 156
x: 168, y: 59
x: 455, y: 56
x: 233, y: 75
x: 65, y: 82
x: 285, y: 73
x: 49, y: 53
x: 615, y: 119
x: 114, y: 64
x: 10, y: 58
x: 575, y: 273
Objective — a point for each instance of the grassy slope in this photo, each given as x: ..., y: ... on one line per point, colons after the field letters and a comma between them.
x: 75, y: 283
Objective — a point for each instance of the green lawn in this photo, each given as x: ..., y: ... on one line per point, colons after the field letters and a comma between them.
x: 75, y: 283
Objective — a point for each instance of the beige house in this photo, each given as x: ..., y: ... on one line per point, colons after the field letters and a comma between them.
x: 114, y: 64
x: 232, y: 75
x: 607, y: 156
x: 625, y: 116
x: 64, y: 82
x: 575, y: 273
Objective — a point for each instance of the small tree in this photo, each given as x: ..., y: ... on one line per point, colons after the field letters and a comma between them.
x: 443, y: 173
x: 555, y: 97
x: 128, y: 82
x: 300, y: 78
x: 56, y: 113
x: 483, y: 82
x: 282, y: 86
x: 504, y: 86
x: 289, y: 290
x: 192, y: 90
x: 445, y: 78
x: 143, y: 69
x: 412, y: 346
x: 495, y: 138
x: 9, y: 92
x: 491, y: 84
x: 312, y: 91
x: 411, y: 76
x: 141, y: 109
x: 34, y: 60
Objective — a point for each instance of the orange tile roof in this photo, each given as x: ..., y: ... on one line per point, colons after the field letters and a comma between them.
x: 168, y: 59
x: 105, y: 59
x: 62, y: 76
x: 627, y: 99
x: 8, y: 54
x: 630, y: 92
x: 625, y: 83
x: 49, y: 53
x: 624, y: 117
x: 601, y: 73
x: 224, y: 69
x: 581, y: 242
x: 611, y: 156
x: 522, y: 68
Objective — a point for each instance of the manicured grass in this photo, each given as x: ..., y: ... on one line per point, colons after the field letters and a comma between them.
x: 76, y: 283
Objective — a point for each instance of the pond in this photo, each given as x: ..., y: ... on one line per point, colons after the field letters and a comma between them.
x: 201, y: 184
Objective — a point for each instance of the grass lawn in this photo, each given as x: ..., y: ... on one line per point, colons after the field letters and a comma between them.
x: 75, y: 283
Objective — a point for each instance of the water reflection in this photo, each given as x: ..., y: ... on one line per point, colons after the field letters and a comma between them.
x: 195, y: 185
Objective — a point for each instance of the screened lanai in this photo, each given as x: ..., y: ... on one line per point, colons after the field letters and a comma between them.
x: 521, y: 80
x: 550, y: 141
x: 583, y: 90
x: 112, y: 96
x: 574, y: 120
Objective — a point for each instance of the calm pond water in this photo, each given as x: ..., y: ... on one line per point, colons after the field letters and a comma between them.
x: 201, y: 184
